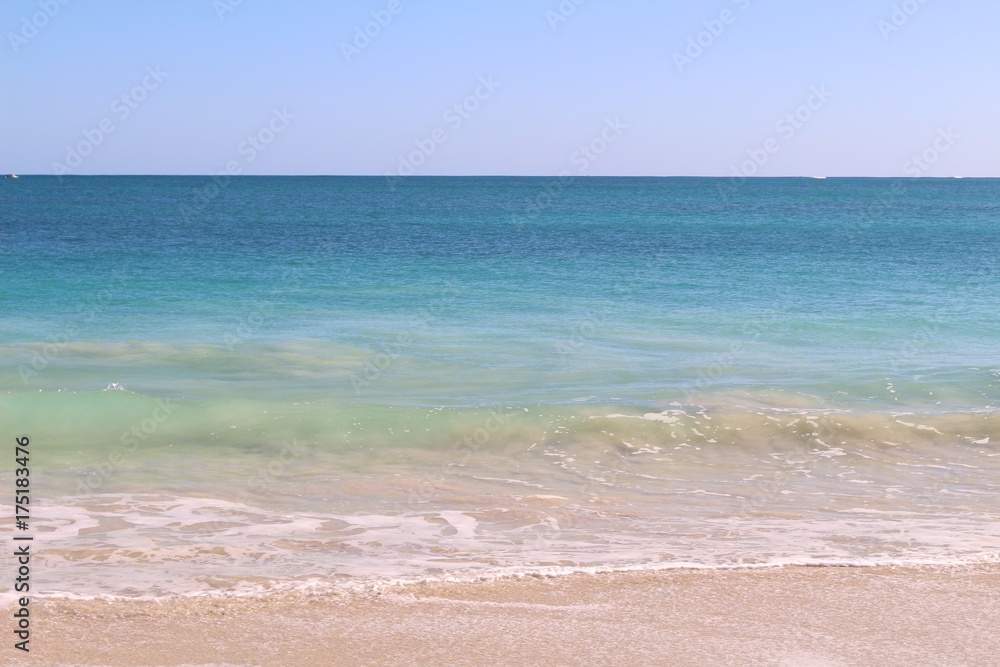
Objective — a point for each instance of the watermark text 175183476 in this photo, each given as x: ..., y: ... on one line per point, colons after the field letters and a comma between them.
x: 22, y: 548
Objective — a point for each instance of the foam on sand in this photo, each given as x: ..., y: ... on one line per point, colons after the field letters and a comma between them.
x: 777, y: 617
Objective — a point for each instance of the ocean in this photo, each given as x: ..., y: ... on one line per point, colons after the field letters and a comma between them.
x: 256, y: 384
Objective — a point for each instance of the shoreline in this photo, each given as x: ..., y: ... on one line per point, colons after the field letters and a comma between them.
x: 791, y: 616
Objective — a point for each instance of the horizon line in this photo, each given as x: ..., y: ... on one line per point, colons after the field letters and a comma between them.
x: 417, y: 176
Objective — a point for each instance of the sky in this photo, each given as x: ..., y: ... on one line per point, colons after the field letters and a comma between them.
x: 520, y: 87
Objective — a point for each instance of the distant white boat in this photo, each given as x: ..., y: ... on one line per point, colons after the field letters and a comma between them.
x: 12, y: 176
x: 819, y: 177
x: 958, y: 176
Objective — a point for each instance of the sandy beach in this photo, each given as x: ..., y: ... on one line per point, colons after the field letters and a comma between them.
x: 787, y: 617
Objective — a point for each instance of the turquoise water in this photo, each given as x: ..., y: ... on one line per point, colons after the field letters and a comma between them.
x: 632, y: 357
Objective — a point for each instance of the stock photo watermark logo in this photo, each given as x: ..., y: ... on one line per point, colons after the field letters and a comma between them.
x: 247, y: 327
x: 887, y: 201
x: 918, y: 342
x: 786, y: 127
x: 725, y: 362
x: 260, y: 311
x: 714, y: 28
x: 32, y: 25
x: 930, y: 332
x: 223, y: 7
x: 121, y: 108
x: 465, y: 447
x: 265, y: 476
x: 900, y: 16
x: 805, y: 440
x: 563, y: 12
x: 276, y: 469
x: 378, y: 363
x: 130, y: 441
x: 454, y: 117
x: 920, y: 164
x: 45, y: 354
x: 585, y: 330
x: 363, y: 35
x: 248, y: 150
x: 588, y: 329
x: 582, y: 158
x: 588, y: 153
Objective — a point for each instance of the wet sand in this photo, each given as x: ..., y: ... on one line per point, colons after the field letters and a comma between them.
x: 785, y: 617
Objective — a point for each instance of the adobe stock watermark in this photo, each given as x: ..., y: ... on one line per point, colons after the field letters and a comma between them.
x: 121, y: 108
x: 249, y: 325
x: 45, y: 354
x: 599, y: 316
x: 562, y: 13
x: 465, y: 448
x: 378, y: 363
x: 918, y: 341
x: 130, y: 441
x: 32, y: 25
x: 787, y: 127
x: 586, y: 330
x: 363, y: 35
x: 582, y: 158
x: 714, y: 28
x: 889, y: 199
x: 277, y: 471
x: 900, y: 16
x: 588, y: 153
x: 223, y: 7
x: 453, y: 117
x: 248, y: 150
x: 930, y: 331
x: 920, y: 164
x: 726, y: 362
x: 262, y: 311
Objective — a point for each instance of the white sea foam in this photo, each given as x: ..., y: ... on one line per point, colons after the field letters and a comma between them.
x: 149, y: 546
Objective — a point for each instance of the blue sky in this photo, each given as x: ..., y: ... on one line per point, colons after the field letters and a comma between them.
x: 191, y: 86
